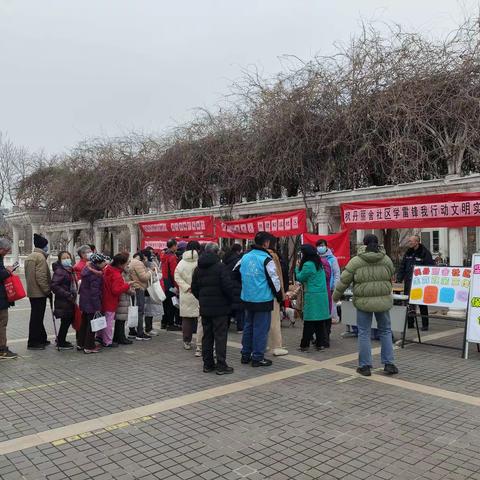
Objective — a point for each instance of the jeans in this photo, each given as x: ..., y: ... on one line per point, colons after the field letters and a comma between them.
x: 255, y: 334
x: 364, y: 323
x: 214, y: 332
x: 140, y: 302
x: 36, y: 330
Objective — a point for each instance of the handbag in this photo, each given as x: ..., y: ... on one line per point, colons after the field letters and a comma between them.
x: 14, y: 288
x: 132, y: 321
x: 98, y: 322
x: 155, y: 289
x: 77, y: 318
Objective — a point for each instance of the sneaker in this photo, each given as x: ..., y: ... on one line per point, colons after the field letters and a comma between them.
x: 198, y: 352
x: 303, y: 349
x: 125, y: 341
x: 65, y: 346
x: 365, y: 371
x: 261, y: 363
x: 224, y: 370
x: 349, y: 335
x: 100, y: 341
x: 7, y: 354
x: 92, y: 350
x: 320, y: 349
x: 245, y: 360
x: 209, y: 369
x: 36, y: 347
x: 79, y: 348
x: 187, y: 345
x: 143, y: 337
x: 390, y: 369
x: 132, y: 336
x: 174, y: 328
x: 279, y: 352
x: 153, y: 333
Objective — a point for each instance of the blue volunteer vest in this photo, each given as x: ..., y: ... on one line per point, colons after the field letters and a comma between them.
x: 255, y: 287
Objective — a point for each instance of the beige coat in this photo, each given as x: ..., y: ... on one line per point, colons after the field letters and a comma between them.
x: 37, y: 274
x: 139, y: 273
x: 183, y: 276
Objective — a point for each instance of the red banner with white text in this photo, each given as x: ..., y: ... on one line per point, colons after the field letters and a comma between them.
x: 161, y: 243
x: 287, y: 224
x: 447, y: 210
x: 179, y: 227
x: 339, y: 244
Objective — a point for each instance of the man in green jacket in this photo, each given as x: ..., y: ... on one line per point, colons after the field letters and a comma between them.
x: 371, y: 273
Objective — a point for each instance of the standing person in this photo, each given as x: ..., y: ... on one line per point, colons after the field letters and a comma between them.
x: 231, y: 259
x: 121, y: 317
x: 140, y: 275
x: 212, y: 287
x: 275, y: 342
x: 371, y: 273
x: 316, y: 302
x: 91, y: 292
x: 417, y: 254
x: 65, y: 288
x: 189, y: 307
x: 169, y: 264
x: 5, y: 272
x: 260, y: 285
x: 152, y: 309
x: 38, y: 278
x: 84, y: 253
x: 113, y: 286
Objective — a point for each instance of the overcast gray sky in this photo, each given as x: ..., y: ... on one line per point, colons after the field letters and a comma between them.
x: 72, y: 69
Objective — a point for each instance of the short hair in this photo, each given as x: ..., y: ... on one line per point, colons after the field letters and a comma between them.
x: 171, y: 243
x: 212, y: 247
x: 120, y: 259
x: 261, y: 238
x: 237, y: 248
x: 193, y: 245
x: 140, y: 255
x: 83, y: 249
x: 321, y: 241
x: 5, y: 243
x: 92, y: 247
x: 60, y: 254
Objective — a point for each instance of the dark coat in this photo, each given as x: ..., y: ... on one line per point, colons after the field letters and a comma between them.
x: 212, y: 286
x: 412, y: 257
x: 230, y: 261
x: 91, y: 291
x: 4, y: 274
x: 64, y: 287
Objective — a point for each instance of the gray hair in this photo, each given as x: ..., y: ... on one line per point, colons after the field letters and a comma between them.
x: 212, y: 247
x: 83, y: 249
x: 5, y: 243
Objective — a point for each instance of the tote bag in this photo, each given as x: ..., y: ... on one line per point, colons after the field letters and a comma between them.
x: 155, y: 289
x: 99, y: 322
x: 14, y: 288
x: 132, y: 321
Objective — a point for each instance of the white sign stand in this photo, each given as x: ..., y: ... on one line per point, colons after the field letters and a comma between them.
x: 472, y: 333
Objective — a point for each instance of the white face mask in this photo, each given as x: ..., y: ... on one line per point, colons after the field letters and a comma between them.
x: 89, y: 255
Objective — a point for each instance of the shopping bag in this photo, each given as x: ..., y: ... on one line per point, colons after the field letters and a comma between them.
x: 132, y: 321
x: 155, y: 290
x: 175, y: 302
x: 98, y: 322
x: 14, y: 288
x: 77, y: 318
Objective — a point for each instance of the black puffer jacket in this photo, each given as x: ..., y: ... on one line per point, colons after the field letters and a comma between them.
x: 212, y: 286
x: 230, y: 261
x: 64, y: 287
x: 420, y: 256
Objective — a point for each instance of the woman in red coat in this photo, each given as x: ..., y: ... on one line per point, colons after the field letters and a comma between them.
x: 113, y: 287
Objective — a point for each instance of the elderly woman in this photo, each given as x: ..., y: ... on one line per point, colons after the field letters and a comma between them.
x: 84, y: 253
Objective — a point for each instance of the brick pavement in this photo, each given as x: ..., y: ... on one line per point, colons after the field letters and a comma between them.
x: 318, y: 424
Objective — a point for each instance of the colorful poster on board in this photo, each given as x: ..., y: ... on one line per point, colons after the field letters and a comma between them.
x: 446, y: 287
x: 473, y: 315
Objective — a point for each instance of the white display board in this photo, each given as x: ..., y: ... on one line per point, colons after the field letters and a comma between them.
x: 473, y: 314
x: 446, y: 287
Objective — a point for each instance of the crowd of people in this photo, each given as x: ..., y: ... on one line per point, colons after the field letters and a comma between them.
x: 204, y: 291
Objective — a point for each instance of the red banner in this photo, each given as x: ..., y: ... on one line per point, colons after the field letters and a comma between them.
x: 339, y: 243
x: 448, y: 210
x: 159, y: 243
x: 179, y: 227
x: 286, y: 224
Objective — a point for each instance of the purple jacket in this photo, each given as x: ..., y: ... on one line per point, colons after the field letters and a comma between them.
x: 91, y: 291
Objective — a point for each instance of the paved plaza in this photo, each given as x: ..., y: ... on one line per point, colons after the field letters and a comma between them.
x: 147, y: 411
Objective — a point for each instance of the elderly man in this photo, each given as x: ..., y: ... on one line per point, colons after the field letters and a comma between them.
x: 5, y: 272
x: 417, y: 254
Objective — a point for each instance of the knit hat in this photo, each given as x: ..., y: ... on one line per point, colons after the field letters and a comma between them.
x: 182, y: 245
x: 98, y: 258
x: 39, y: 241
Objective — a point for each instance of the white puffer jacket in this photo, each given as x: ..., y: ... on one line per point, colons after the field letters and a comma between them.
x: 183, y: 276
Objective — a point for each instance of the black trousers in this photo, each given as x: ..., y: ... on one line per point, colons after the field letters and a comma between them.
x: 119, y: 331
x: 317, y: 327
x: 423, y: 313
x: 214, y: 333
x: 36, y: 330
x: 65, y: 323
x: 168, y: 313
x: 85, y: 336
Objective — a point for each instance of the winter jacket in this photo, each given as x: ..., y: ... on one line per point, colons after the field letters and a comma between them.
x: 124, y: 302
x: 371, y: 274
x: 139, y: 273
x: 169, y: 264
x: 78, y: 268
x: 212, y: 286
x: 4, y: 274
x: 91, y: 289
x: 64, y: 287
x: 113, y: 286
x: 260, y: 280
x: 316, y: 300
x: 420, y: 256
x: 37, y: 274
x: 231, y: 259
x: 334, y: 266
x: 189, y: 306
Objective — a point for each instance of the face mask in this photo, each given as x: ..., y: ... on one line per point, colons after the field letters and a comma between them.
x: 67, y: 262
x: 322, y: 250
x: 89, y: 255
x: 45, y: 249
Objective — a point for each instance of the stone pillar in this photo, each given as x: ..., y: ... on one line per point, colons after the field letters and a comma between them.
x: 15, y: 240
x: 443, y: 241
x: 98, y: 238
x: 133, y: 228
x: 116, y: 242
x: 322, y: 221
x: 455, y: 246
x: 360, y: 236
x: 380, y: 235
x: 70, y: 243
